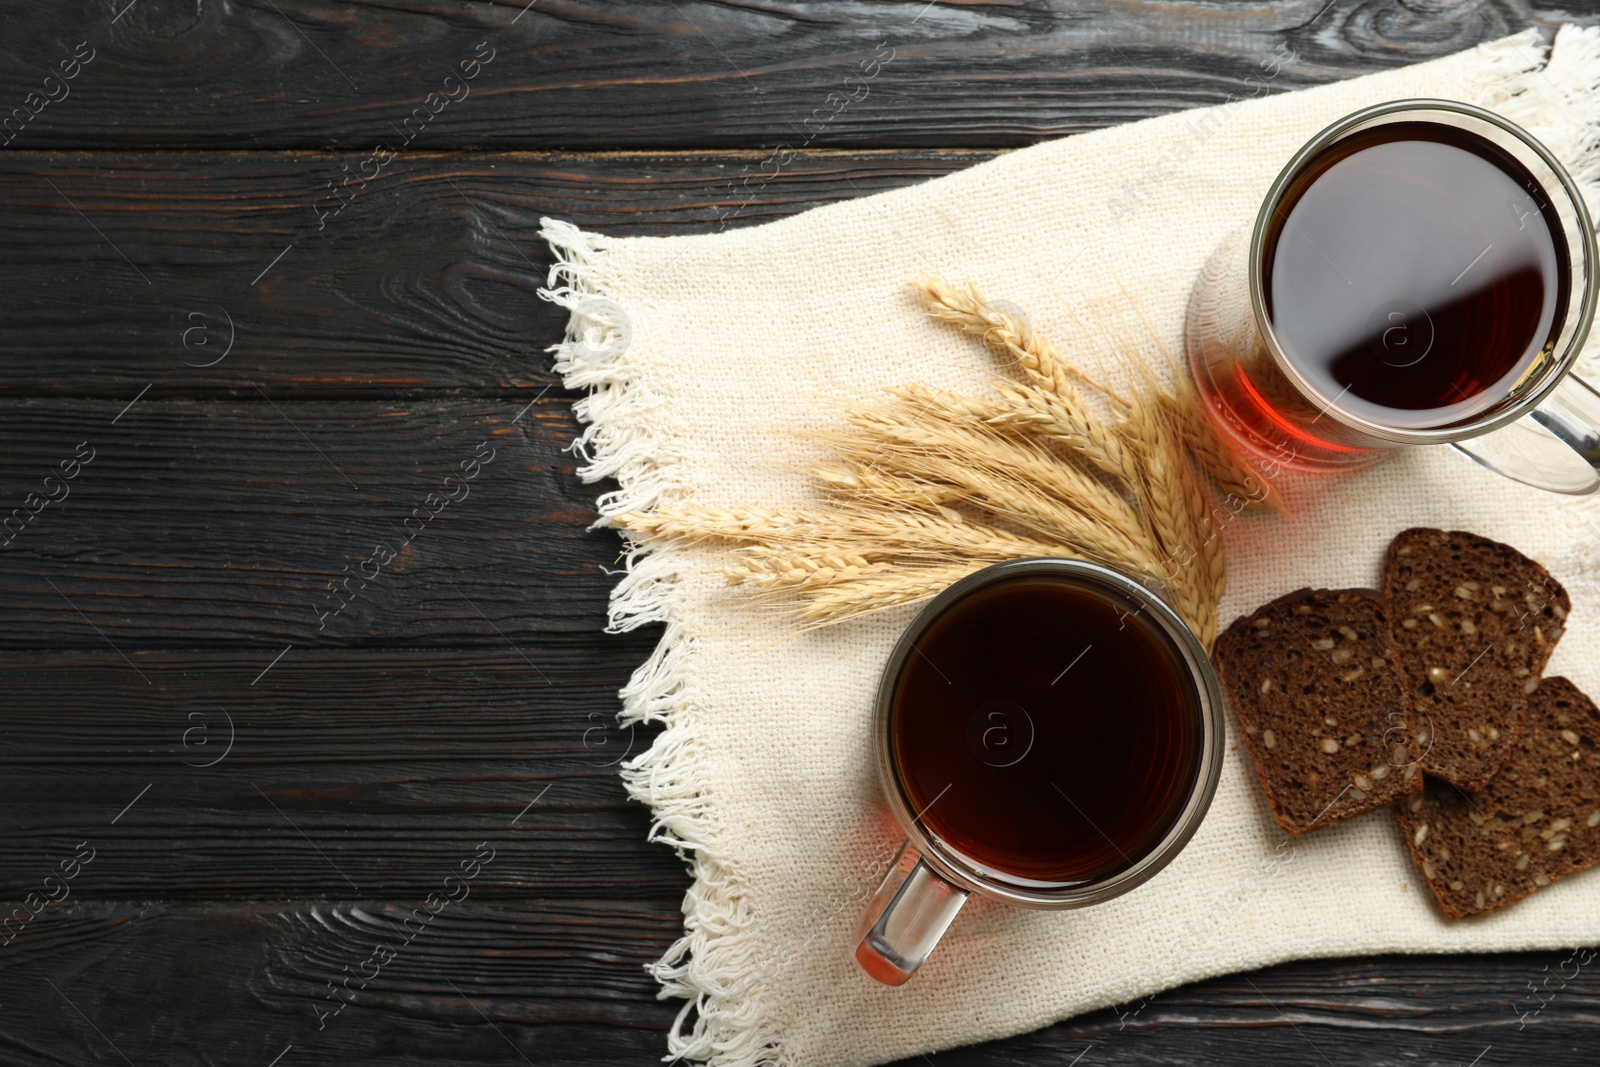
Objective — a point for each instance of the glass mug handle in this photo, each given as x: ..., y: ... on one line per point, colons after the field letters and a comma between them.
x: 1554, y: 447
x: 905, y: 918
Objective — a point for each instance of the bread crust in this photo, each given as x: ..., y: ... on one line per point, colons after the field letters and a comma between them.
x: 1323, y: 714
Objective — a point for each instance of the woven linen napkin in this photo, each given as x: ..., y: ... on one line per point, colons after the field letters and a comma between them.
x: 762, y: 775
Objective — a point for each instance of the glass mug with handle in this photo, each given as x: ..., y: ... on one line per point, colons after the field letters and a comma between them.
x: 1049, y: 734
x: 1421, y: 272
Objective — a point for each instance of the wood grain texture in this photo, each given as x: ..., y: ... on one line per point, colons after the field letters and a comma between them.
x: 1388, y: 1011
x: 199, y: 524
x: 136, y: 269
x: 178, y: 199
x: 338, y: 772
x: 562, y: 982
x: 691, y: 74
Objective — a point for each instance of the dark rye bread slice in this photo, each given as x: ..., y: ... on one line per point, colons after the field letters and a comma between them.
x: 1475, y: 622
x: 1536, y: 821
x: 1313, y: 680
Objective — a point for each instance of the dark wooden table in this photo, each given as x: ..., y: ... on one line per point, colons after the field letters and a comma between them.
x: 244, y: 344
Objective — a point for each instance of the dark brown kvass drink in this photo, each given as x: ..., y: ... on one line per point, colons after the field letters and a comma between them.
x: 1045, y: 732
x: 1414, y: 274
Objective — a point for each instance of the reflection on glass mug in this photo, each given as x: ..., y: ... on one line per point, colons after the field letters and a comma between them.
x: 1049, y: 734
x: 1421, y: 272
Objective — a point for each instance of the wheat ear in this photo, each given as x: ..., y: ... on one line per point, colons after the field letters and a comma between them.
x: 874, y: 533
x: 868, y: 481
x: 921, y: 406
x: 1207, y: 444
x: 1193, y: 568
x: 1209, y: 574
x: 697, y: 522
x: 1162, y: 490
x: 1232, y: 476
x: 1041, y: 360
x: 764, y: 570
x: 1052, y: 405
x: 849, y: 600
x: 1038, y: 412
x: 1007, y: 477
x: 809, y: 565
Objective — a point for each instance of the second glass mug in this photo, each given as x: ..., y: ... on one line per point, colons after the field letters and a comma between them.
x: 1544, y: 431
x: 932, y: 878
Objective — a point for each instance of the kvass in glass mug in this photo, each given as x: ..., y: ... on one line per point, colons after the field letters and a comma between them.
x: 1048, y: 733
x: 1421, y: 272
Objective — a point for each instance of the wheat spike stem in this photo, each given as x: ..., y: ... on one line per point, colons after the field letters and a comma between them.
x: 849, y: 600
x: 1117, y: 482
x: 1022, y: 485
x: 1039, y: 359
x: 871, y: 533
x: 930, y: 423
x: 1213, y: 454
x: 802, y: 571
x: 866, y: 480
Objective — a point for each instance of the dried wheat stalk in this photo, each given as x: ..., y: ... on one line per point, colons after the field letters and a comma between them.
x: 763, y: 570
x: 1191, y: 565
x: 1232, y: 475
x: 849, y: 600
x: 1040, y: 359
x: 877, y: 533
x: 929, y: 486
x: 930, y: 439
x: 864, y: 479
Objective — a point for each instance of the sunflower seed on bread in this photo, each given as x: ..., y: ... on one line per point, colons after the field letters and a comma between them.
x: 1536, y: 821
x: 1312, y: 679
x: 1475, y: 622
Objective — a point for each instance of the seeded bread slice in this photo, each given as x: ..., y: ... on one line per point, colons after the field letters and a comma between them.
x: 1475, y: 622
x: 1536, y: 821
x: 1313, y: 681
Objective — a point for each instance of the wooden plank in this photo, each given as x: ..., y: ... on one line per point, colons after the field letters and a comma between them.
x: 208, y: 274
x: 336, y: 773
x: 658, y: 73
x: 195, y: 524
x: 239, y: 983
x: 1386, y: 1011
x: 563, y: 982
